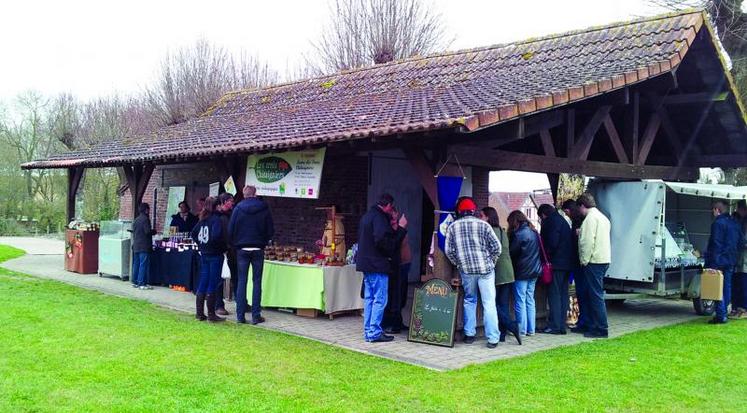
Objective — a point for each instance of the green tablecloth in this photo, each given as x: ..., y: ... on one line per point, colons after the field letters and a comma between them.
x: 290, y: 285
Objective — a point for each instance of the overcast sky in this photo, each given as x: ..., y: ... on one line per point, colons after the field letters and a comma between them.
x: 95, y: 48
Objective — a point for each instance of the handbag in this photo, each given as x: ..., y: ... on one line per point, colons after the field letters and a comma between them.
x: 546, y: 277
x: 225, y: 272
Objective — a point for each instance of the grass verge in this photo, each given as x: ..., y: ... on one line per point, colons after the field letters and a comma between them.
x: 70, y: 349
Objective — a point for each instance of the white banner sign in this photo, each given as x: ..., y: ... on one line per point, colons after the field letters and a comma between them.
x: 286, y: 174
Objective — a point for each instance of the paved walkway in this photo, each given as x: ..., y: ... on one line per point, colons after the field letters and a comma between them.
x: 345, y: 332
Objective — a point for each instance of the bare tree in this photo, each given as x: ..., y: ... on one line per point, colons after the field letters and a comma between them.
x: 194, y: 78
x: 365, y: 32
x: 26, y: 133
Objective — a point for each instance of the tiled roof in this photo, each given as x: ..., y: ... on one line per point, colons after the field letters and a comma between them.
x: 470, y: 89
x: 540, y: 198
x: 512, y: 201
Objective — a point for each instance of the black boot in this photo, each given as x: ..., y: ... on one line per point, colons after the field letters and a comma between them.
x: 211, y: 309
x: 513, y: 328
x: 200, y: 304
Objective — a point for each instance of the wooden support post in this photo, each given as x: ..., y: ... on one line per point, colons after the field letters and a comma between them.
x: 554, y: 180
x: 570, y: 132
x: 138, y: 177
x: 631, y: 130
x: 74, y: 176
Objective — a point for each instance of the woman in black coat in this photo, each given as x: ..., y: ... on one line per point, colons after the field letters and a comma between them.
x: 523, y: 242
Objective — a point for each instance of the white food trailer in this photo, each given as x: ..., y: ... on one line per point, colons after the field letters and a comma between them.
x: 659, y: 234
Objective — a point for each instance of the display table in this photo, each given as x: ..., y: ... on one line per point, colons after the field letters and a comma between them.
x: 81, y: 251
x: 304, y: 286
x: 174, y: 267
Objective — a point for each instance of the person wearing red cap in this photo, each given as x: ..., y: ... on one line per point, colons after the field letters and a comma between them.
x: 472, y: 246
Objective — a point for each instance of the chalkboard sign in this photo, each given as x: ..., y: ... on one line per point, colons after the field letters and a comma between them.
x: 433, y: 314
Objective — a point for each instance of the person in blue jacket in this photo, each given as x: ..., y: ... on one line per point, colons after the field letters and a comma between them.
x: 250, y: 229
x: 208, y: 233
x: 378, y: 243
x: 557, y: 238
x: 724, y: 245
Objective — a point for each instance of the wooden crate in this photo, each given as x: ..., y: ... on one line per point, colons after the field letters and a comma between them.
x: 307, y: 312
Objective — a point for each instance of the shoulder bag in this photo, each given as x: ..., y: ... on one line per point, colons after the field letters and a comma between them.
x: 546, y: 277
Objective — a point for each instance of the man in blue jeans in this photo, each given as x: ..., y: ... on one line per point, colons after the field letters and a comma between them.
x: 378, y: 242
x: 142, y: 246
x: 250, y: 230
x: 724, y: 245
x: 595, y: 255
x: 472, y: 246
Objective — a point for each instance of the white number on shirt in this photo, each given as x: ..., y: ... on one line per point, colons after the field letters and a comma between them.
x: 204, y: 236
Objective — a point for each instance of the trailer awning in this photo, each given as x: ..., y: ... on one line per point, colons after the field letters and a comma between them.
x: 709, y: 190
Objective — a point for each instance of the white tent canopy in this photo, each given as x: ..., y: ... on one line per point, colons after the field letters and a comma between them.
x: 709, y: 190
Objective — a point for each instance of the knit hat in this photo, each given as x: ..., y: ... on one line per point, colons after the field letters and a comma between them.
x: 466, y: 204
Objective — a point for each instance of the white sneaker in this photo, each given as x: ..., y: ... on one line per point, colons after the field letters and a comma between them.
x: 146, y: 287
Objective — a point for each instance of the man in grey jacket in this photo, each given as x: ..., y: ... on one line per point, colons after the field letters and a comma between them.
x: 142, y: 245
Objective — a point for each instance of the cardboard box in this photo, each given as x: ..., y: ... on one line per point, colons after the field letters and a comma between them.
x: 711, y: 285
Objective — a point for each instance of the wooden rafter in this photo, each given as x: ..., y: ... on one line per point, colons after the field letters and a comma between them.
x: 547, y: 145
x: 690, y: 98
x: 670, y: 132
x: 424, y: 171
x: 617, y: 145
x: 652, y: 128
x: 583, y: 146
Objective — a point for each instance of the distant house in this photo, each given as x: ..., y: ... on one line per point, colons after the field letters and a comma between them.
x: 526, y: 202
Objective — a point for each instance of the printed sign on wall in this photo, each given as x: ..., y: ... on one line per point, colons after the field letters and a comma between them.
x: 286, y: 174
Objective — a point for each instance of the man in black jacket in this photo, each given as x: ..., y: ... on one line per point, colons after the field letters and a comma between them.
x: 378, y: 242
x: 142, y: 245
x: 251, y: 229
x: 557, y: 238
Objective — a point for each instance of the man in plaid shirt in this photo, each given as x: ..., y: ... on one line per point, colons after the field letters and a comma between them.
x: 471, y: 245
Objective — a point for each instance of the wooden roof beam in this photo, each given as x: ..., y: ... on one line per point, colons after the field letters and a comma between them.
x: 695, y: 98
x: 506, y: 160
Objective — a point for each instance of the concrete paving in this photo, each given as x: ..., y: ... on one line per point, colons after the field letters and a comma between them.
x: 36, y: 246
x: 345, y: 331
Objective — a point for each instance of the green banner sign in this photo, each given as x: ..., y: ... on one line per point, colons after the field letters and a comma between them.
x: 294, y: 174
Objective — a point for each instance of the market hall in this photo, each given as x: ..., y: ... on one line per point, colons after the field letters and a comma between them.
x: 649, y: 99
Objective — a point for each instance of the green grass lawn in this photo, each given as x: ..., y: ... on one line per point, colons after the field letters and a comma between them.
x: 69, y: 349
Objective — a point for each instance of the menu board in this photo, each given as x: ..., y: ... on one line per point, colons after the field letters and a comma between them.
x: 286, y: 174
x: 433, y: 314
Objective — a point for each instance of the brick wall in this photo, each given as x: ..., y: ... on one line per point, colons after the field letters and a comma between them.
x: 344, y: 184
x: 297, y: 222
x: 480, y: 189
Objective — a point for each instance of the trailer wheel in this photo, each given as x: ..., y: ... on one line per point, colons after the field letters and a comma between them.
x: 704, y: 307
